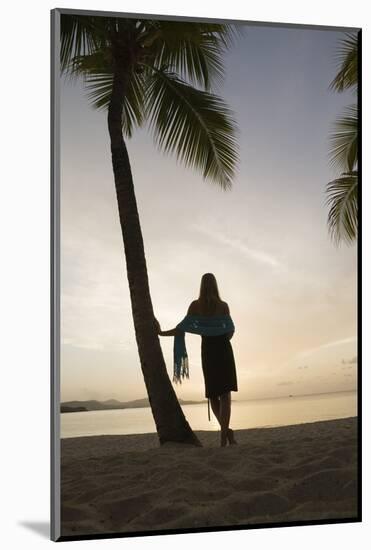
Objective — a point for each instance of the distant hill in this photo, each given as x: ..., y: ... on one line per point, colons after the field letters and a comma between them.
x: 112, y: 402
x: 66, y: 409
x: 109, y: 404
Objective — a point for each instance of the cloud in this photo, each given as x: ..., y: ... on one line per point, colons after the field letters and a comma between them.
x: 332, y: 344
x: 286, y: 383
x: 259, y: 256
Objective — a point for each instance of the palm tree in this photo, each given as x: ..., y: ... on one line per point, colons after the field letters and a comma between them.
x: 342, y: 192
x: 138, y: 70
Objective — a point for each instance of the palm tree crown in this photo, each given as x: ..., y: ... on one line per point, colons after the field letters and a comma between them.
x: 342, y: 192
x: 166, y: 65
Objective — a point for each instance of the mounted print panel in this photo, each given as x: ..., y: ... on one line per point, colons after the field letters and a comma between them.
x: 205, y: 351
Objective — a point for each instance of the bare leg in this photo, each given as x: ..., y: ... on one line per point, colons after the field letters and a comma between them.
x: 225, y: 415
x: 215, y: 406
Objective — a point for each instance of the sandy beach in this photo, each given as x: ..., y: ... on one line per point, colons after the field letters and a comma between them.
x: 128, y: 483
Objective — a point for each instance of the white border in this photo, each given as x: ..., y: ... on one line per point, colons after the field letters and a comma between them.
x: 25, y: 286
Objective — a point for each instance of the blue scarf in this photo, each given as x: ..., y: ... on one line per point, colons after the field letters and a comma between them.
x: 196, y: 324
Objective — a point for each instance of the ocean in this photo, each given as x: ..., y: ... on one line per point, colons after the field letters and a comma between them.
x: 260, y: 413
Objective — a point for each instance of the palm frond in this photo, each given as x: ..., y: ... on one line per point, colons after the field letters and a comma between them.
x: 97, y: 72
x: 99, y: 61
x: 347, y: 58
x: 100, y: 86
x: 193, y: 50
x: 80, y: 35
x: 342, y: 197
x: 344, y: 140
x: 194, y: 124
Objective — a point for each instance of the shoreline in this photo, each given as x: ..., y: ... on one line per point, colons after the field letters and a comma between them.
x: 129, y: 483
x: 236, y: 430
x: 216, y: 431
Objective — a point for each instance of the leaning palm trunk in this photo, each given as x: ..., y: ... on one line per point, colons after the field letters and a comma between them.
x: 170, y: 421
x: 193, y: 123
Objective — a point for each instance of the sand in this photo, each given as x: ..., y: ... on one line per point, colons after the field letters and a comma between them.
x: 129, y: 483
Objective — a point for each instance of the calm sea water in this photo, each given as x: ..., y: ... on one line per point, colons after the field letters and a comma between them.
x: 245, y: 414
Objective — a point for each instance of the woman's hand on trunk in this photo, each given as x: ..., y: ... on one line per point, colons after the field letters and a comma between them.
x: 158, y: 327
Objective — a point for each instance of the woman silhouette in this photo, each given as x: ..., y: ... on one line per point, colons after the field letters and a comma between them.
x: 217, y: 357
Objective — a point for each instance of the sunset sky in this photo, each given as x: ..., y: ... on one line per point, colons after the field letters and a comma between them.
x: 291, y: 292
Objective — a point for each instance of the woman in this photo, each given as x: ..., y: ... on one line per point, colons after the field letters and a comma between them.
x: 217, y: 357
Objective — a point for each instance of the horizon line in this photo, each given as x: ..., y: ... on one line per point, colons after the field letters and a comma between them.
x: 204, y: 400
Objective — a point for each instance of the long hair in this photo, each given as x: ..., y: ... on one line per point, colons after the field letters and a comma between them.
x: 209, y: 294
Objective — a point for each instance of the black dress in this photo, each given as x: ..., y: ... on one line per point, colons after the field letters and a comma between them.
x: 218, y: 365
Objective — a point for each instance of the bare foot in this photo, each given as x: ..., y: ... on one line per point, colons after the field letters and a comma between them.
x: 223, y: 438
x: 230, y: 436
